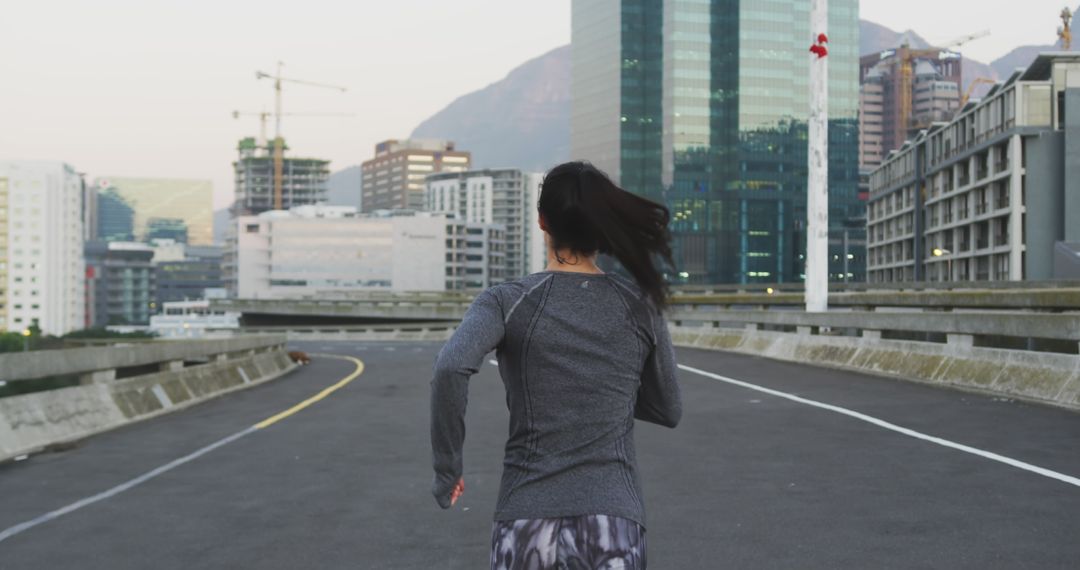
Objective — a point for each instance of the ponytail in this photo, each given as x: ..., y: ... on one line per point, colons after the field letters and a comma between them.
x: 586, y: 212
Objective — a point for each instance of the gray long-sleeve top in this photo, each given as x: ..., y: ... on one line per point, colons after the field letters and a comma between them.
x: 581, y: 356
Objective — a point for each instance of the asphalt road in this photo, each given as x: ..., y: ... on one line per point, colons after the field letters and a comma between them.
x: 749, y: 479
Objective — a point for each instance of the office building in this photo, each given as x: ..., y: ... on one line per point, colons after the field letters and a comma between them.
x: 314, y: 250
x: 190, y: 201
x: 119, y: 283
x: 42, y: 279
x: 166, y: 228
x: 303, y: 180
x: 703, y: 105
x: 394, y: 178
x: 115, y: 216
x: 903, y: 91
x: 993, y: 195
x: 189, y: 276
x: 504, y: 196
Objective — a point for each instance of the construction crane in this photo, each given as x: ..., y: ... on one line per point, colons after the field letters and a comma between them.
x: 971, y: 88
x: 279, y: 143
x: 264, y: 115
x: 1065, y: 29
x: 907, y: 57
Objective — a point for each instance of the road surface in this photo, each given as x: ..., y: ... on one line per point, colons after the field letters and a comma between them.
x: 775, y: 465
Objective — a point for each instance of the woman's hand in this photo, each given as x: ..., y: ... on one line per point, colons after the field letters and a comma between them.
x: 459, y: 488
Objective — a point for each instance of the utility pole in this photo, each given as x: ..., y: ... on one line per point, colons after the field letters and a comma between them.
x: 817, y: 187
x: 279, y: 142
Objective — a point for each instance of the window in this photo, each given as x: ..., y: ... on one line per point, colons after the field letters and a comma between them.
x: 252, y: 228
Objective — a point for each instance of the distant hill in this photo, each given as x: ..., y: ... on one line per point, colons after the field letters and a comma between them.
x: 523, y: 120
x: 1019, y: 58
x: 344, y: 186
x: 876, y: 38
x: 221, y: 225
x: 520, y: 121
x: 1022, y: 56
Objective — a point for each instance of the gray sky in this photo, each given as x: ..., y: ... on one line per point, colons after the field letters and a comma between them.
x: 146, y: 87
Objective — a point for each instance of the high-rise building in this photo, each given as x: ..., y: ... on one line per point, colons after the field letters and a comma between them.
x: 42, y: 279
x: 315, y: 250
x: 166, y: 228
x: 189, y: 200
x: 303, y: 180
x: 505, y: 196
x: 119, y: 283
x: 188, y: 278
x: 902, y: 92
x: 42, y: 226
x: 993, y: 195
x: 394, y: 178
x: 703, y: 105
x: 115, y: 216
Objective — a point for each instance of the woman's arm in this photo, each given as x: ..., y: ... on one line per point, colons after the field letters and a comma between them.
x: 659, y: 400
x: 480, y: 331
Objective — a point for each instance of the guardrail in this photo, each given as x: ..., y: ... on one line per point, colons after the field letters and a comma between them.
x: 1059, y: 299
x: 115, y: 385
x: 426, y: 307
x: 898, y: 286
x: 98, y: 363
x: 1017, y: 325
x: 1022, y: 355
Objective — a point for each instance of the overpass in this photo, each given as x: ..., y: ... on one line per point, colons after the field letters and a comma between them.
x: 816, y: 441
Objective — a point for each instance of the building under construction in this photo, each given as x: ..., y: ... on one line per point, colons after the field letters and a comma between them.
x: 303, y: 180
x: 904, y: 91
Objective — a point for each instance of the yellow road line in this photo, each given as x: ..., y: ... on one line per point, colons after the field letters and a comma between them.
x: 329, y: 390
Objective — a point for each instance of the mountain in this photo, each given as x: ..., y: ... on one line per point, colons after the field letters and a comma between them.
x: 1022, y: 56
x: 344, y: 187
x: 1019, y: 58
x: 876, y: 38
x: 221, y: 225
x: 521, y: 121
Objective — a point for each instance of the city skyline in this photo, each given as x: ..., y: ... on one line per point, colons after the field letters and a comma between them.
x: 110, y: 108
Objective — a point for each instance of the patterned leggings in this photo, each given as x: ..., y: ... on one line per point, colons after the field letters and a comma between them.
x: 587, y: 542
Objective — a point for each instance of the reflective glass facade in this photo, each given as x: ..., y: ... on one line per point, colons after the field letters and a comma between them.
x: 713, y: 101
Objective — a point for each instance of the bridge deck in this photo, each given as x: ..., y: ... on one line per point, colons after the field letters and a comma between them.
x: 749, y: 480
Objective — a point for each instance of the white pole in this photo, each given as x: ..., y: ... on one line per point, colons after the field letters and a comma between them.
x: 817, y: 188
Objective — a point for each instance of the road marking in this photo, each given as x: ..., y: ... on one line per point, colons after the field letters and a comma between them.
x: 893, y: 427
x: 85, y: 502
x: 326, y: 392
x: 494, y: 362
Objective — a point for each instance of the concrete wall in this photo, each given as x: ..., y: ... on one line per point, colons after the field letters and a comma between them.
x: 1033, y: 376
x: 35, y: 421
x: 1045, y: 202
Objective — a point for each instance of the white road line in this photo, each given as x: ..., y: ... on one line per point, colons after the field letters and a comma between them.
x: 893, y: 427
x: 21, y: 527
x: 494, y: 362
x: 24, y: 526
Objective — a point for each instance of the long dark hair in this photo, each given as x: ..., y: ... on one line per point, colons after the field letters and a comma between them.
x: 585, y: 211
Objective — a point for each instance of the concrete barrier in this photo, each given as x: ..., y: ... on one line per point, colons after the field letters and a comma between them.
x: 35, y: 421
x: 1048, y: 378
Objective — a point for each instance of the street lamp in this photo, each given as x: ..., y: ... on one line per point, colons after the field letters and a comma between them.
x: 26, y: 339
x: 939, y: 252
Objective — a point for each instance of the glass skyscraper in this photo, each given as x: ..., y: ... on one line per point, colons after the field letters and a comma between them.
x: 702, y: 105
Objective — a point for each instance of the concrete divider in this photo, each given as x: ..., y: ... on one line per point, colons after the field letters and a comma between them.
x: 34, y: 421
x: 1048, y: 378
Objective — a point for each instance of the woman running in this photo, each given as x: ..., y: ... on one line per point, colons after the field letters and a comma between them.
x: 582, y: 353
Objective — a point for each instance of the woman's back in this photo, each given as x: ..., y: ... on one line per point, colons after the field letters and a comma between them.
x: 575, y: 351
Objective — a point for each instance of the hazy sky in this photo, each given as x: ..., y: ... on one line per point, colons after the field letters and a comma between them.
x: 146, y: 87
